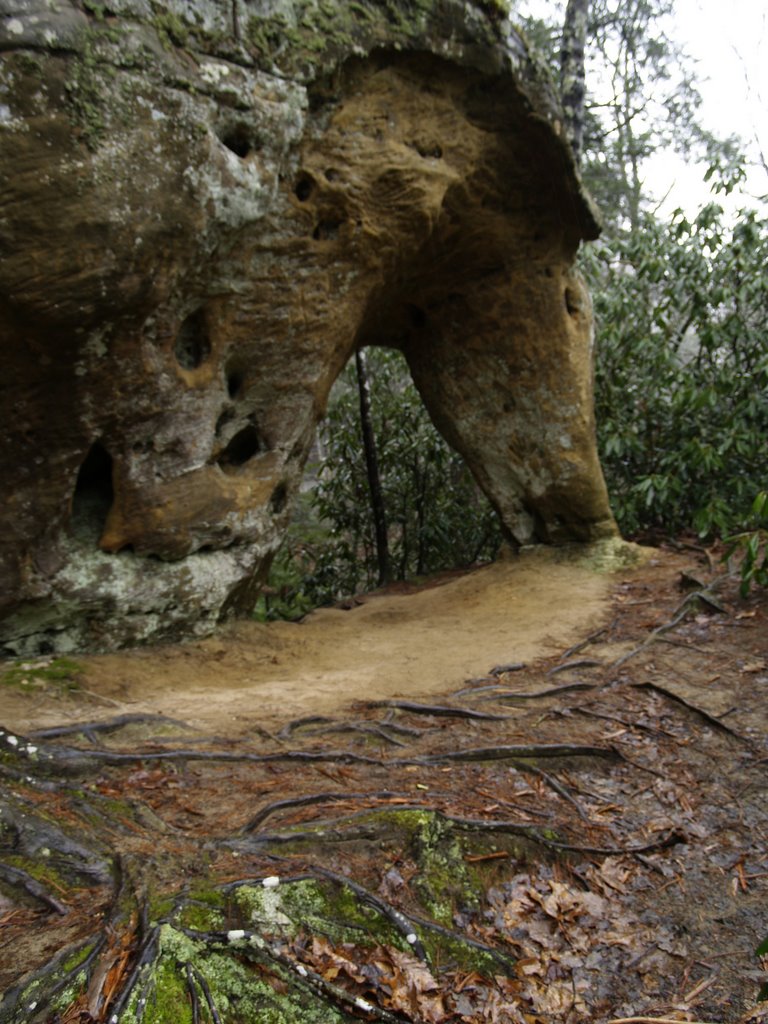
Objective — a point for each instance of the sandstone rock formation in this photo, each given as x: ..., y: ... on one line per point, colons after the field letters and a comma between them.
x: 205, y: 206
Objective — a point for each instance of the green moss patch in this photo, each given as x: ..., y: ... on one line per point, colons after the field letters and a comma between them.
x: 42, y: 673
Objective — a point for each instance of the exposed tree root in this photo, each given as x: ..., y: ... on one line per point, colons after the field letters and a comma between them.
x: 19, y: 878
x: 568, y: 666
x: 716, y: 723
x: 315, y: 798
x: 439, y: 710
x: 405, y: 894
x: 89, y: 729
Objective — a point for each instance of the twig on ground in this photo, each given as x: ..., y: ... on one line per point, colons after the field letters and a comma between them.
x: 553, y: 784
x: 621, y: 721
x: 677, y: 617
x: 499, y: 670
x: 592, y: 638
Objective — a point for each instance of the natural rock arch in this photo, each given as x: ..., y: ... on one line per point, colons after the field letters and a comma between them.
x: 198, y: 230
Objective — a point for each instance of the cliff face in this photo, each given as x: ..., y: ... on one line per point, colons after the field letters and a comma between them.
x: 205, y: 206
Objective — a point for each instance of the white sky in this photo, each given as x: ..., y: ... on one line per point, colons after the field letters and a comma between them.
x: 729, y: 42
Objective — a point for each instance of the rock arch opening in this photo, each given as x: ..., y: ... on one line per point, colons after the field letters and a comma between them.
x: 434, y: 514
x: 405, y: 193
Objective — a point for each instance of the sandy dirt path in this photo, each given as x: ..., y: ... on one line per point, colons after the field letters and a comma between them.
x: 402, y: 644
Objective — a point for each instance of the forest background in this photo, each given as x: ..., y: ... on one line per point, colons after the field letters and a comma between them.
x: 681, y: 359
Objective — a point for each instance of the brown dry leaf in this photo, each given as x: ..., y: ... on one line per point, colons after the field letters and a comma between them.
x: 612, y: 874
x: 332, y: 962
x: 414, y: 970
x: 529, y: 965
x: 753, y: 666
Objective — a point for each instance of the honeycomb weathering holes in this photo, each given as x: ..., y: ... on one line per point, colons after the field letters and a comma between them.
x: 94, y: 493
x: 241, y: 448
x: 304, y: 187
x: 238, y: 140
x: 193, y: 345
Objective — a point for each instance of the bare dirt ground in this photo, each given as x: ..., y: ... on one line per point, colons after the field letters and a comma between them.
x: 592, y: 750
x: 407, y: 641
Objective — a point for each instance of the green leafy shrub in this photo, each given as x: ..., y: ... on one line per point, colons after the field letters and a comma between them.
x: 752, y: 545
x: 682, y: 370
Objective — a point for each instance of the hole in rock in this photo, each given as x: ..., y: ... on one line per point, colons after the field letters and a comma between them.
x: 278, y: 500
x: 429, y: 150
x: 327, y: 229
x: 572, y: 302
x: 93, y: 495
x: 242, y: 447
x: 192, y: 346
x: 416, y: 315
x: 304, y: 188
x: 234, y: 383
x: 238, y: 139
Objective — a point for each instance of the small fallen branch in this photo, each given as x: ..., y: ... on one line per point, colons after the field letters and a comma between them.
x: 591, y: 639
x: 554, y: 785
x: 500, y: 670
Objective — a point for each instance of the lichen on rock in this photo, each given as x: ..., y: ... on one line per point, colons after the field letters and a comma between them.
x: 206, y: 209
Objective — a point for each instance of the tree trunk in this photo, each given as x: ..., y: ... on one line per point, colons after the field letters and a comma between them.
x: 372, y: 467
x: 572, y: 87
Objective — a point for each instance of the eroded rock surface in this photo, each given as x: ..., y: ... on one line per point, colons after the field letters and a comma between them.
x: 204, y: 208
